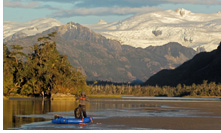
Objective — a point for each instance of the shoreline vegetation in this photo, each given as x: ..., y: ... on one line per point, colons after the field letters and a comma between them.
x: 195, y: 90
x: 72, y: 97
x: 91, y: 96
x: 62, y: 97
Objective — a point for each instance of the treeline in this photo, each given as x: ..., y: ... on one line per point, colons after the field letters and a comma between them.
x: 205, y: 89
x: 102, y: 83
x: 41, y: 72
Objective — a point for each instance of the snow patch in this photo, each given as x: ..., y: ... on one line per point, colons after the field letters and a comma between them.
x: 29, y: 28
x: 101, y: 21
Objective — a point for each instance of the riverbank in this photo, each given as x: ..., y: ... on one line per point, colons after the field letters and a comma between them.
x: 60, y: 96
x: 57, y: 96
x: 105, y: 96
x: 18, y: 96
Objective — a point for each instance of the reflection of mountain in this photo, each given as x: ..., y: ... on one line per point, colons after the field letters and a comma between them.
x: 103, y: 59
x: 204, y: 66
x: 157, y: 28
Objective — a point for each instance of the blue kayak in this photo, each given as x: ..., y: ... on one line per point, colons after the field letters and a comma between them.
x: 61, y: 120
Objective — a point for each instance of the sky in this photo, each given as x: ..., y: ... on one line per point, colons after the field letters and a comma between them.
x: 91, y: 11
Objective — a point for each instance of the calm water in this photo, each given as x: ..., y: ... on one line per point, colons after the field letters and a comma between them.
x: 34, y: 114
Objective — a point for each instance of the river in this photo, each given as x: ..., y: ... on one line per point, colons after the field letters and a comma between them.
x: 147, y: 113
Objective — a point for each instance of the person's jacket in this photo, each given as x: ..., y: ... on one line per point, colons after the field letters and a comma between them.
x: 82, y: 100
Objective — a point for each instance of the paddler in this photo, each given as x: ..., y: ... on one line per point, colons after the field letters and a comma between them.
x: 82, y: 103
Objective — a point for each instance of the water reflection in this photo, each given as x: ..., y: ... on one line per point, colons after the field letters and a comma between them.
x: 13, y: 110
x: 36, y: 114
x: 18, y: 112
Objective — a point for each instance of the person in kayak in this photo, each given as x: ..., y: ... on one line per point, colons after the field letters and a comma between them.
x: 82, y: 104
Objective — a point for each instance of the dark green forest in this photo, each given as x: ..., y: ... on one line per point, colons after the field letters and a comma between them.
x: 206, y: 89
x: 40, y: 73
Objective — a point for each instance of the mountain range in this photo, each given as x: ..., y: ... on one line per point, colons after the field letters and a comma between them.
x: 203, y: 66
x: 195, y: 30
x: 100, y: 58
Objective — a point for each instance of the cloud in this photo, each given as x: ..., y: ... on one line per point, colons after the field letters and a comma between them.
x: 49, y: 7
x: 19, y: 4
x: 99, y: 7
x: 195, y: 2
x: 102, y: 11
x: 119, y: 7
x: 132, y: 3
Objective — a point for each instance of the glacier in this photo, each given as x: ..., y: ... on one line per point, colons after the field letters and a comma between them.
x: 195, y: 30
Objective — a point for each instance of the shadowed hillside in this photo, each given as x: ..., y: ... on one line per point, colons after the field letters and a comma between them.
x: 203, y: 66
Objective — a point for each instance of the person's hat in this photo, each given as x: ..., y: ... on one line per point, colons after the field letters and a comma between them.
x: 82, y: 93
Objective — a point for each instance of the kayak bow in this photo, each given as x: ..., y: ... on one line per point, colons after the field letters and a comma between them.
x: 61, y: 120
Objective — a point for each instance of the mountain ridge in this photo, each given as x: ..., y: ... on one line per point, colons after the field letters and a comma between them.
x: 203, y: 66
x: 104, y: 59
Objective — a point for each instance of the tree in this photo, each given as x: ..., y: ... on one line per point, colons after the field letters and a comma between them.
x: 7, y: 71
x: 48, y: 71
x: 13, y: 69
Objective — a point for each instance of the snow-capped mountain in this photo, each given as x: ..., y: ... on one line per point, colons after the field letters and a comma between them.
x: 15, y: 29
x: 101, y: 21
x: 103, y: 59
x: 157, y: 28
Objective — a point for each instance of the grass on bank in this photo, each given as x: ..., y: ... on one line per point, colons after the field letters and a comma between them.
x: 107, y: 96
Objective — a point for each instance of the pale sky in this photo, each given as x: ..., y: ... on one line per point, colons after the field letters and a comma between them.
x: 90, y: 11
